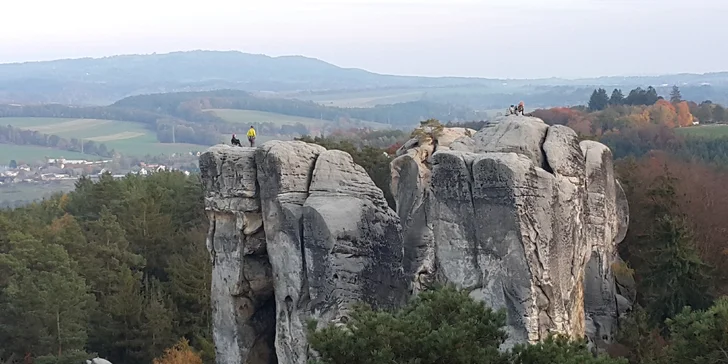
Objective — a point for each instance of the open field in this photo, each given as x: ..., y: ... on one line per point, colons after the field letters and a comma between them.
x: 366, y: 98
x: 31, y: 154
x: 707, y: 131
x: 129, y: 138
x: 252, y: 116
x: 34, y: 191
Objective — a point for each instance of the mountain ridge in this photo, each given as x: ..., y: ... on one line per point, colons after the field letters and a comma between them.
x: 105, y: 80
x: 331, y: 66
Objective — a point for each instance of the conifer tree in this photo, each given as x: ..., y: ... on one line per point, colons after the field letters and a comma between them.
x: 617, y: 97
x: 675, y: 276
x: 599, y: 100
x: 444, y: 325
x: 700, y: 336
x: 675, y: 96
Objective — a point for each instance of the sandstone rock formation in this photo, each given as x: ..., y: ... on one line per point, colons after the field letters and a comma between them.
x: 243, y: 307
x: 607, y: 220
x: 297, y: 233
x: 522, y: 214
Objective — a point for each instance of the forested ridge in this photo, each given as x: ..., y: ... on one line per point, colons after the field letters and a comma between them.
x: 191, y: 105
x: 187, y: 113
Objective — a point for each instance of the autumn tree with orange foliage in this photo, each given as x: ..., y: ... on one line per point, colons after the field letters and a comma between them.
x: 663, y: 113
x: 180, y: 353
x: 579, y: 121
x: 556, y: 115
x: 619, y: 119
x: 684, y: 117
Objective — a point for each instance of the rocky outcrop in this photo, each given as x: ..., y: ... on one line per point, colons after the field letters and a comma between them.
x: 297, y: 233
x: 521, y: 214
x: 607, y: 220
x: 243, y: 308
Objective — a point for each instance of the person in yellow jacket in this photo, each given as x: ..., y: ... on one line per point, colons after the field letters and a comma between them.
x: 251, y: 135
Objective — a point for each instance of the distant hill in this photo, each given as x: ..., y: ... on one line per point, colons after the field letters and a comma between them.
x: 102, y: 81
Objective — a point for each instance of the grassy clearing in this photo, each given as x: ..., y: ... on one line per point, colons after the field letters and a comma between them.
x: 71, y: 126
x: 32, y: 154
x: 126, y: 137
x: 252, y: 116
x: 706, y: 131
x: 34, y: 191
x: 367, y: 98
x: 117, y: 136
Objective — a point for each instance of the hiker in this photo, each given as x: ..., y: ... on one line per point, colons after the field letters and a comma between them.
x: 511, y: 110
x: 251, y: 135
x: 235, y: 141
x: 520, y: 108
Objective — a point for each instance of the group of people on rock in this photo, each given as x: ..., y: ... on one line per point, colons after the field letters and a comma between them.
x: 516, y: 110
x: 251, y: 138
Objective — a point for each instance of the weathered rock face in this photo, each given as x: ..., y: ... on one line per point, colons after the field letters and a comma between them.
x: 607, y: 220
x: 514, y: 214
x: 243, y: 308
x: 297, y: 233
x: 521, y: 214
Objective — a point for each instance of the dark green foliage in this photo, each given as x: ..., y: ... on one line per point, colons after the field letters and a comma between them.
x: 641, y: 338
x: 599, y: 100
x: 676, y: 276
x: 444, y: 325
x: 43, y: 300
x: 558, y: 349
x: 719, y: 114
x: 700, y: 336
x: 673, y: 275
x: 119, y: 265
x: 640, y: 96
x: 438, y: 326
x: 617, y: 97
x: 675, y: 95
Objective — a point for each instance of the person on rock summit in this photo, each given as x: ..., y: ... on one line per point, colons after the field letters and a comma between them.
x: 235, y: 141
x: 251, y: 135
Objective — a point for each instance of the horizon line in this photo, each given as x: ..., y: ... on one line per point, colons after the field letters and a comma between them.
x: 359, y: 69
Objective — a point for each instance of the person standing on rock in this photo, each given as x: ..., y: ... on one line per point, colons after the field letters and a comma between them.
x: 251, y: 135
x: 520, y: 108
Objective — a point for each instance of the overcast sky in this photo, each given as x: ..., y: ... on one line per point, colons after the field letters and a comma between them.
x: 486, y: 38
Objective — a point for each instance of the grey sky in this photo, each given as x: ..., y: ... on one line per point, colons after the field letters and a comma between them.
x: 487, y: 38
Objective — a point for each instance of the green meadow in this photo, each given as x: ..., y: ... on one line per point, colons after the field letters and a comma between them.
x: 126, y: 137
